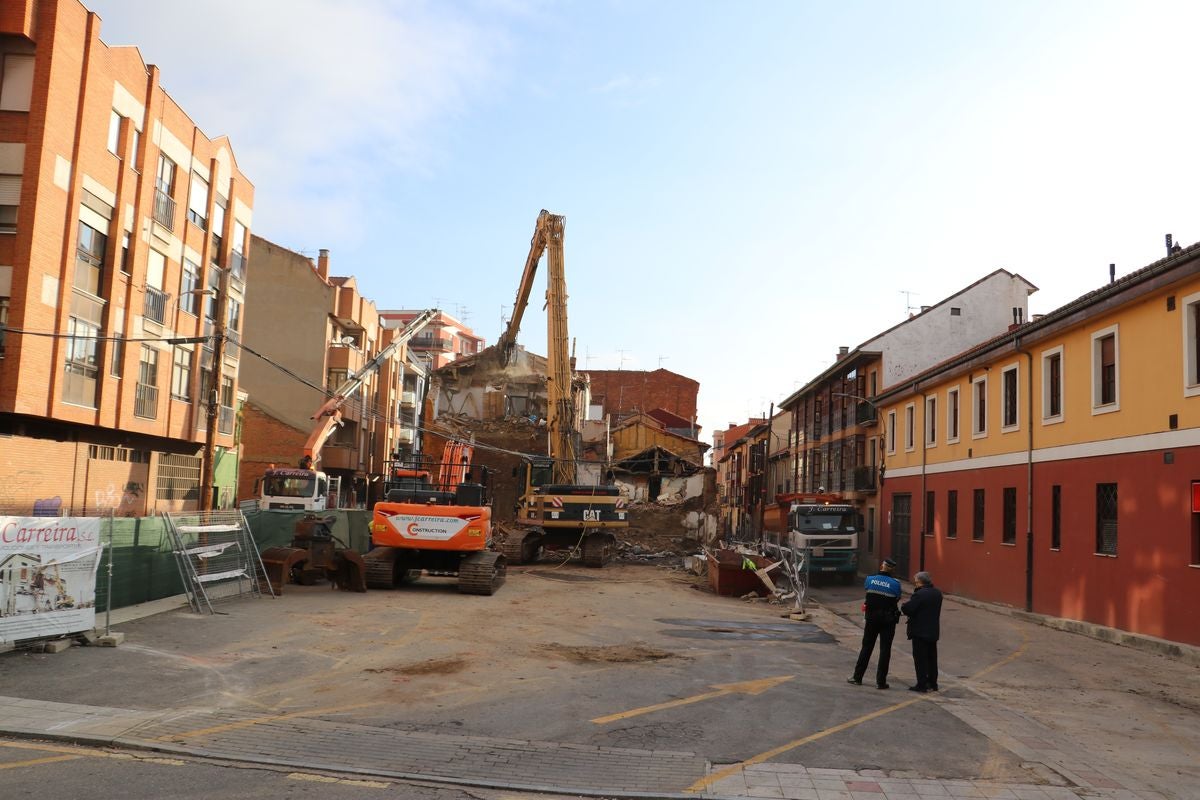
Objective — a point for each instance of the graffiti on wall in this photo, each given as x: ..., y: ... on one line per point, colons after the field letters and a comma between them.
x: 127, y: 503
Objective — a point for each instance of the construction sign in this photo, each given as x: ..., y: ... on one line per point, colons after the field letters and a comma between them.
x: 47, y: 576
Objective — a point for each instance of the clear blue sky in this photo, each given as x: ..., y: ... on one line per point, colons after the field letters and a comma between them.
x: 747, y: 186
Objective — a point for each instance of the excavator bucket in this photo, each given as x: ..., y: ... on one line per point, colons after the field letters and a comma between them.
x: 278, y: 563
x: 349, y: 572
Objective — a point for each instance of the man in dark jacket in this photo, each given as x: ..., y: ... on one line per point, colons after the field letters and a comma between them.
x: 924, y: 612
x: 882, y: 614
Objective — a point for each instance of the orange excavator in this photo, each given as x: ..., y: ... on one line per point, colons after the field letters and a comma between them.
x: 436, y: 520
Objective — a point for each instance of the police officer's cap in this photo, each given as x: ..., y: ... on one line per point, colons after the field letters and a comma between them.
x: 889, y: 563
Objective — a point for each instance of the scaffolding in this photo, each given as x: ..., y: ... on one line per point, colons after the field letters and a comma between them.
x: 217, y: 557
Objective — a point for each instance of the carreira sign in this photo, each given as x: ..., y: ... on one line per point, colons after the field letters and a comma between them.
x: 47, y: 576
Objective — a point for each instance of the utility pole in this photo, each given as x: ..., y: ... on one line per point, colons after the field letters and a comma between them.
x: 209, y: 464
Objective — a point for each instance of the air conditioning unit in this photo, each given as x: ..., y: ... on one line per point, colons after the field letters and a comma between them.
x: 404, y: 436
x: 408, y: 399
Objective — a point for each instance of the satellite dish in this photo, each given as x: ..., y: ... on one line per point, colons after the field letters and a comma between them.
x: 348, y: 340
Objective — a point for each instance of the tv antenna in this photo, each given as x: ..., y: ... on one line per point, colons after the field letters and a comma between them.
x: 662, y: 359
x: 908, y: 306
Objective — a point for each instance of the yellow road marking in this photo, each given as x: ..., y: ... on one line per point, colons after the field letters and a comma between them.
x: 247, y: 723
x: 307, y: 776
x: 703, y: 783
x: 1013, y: 656
x: 48, y: 748
x: 35, y: 761
x: 746, y: 687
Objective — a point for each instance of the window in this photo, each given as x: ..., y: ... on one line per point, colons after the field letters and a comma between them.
x: 4, y: 301
x: 909, y: 426
x: 1055, y: 517
x: 10, y: 199
x: 213, y: 294
x: 16, y: 84
x: 181, y: 375
x: 218, y: 229
x: 952, y: 514
x: 146, y: 397
x: 1191, y: 345
x: 164, y: 190
x: 930, y: 421
x: 1105, y: 368
x: 891, y: 432
x: 977, y: 530
x: 125, y: 253
x: 871, y: 530
x: 955, y: 311
x: 979, y: 407
x: 83, y: 366
x: 198, y: 202
x: 1009, y: 417
x: 952, y: 415
x: 189, y: 288
x: 164, y: 180
x: 930, y: 513
x: 1052, y: 385
x: 114, y: 134
x: 89, y: 259
x: 1010, y: 515
x: 1106, y: 519
x: 118, y: 356
x: 235, y: 318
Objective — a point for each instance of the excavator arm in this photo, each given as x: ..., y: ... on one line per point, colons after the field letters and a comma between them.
x: 537, y: 245
x: 329, y: 415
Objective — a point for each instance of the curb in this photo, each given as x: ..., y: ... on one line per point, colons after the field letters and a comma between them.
x: 93, y: 740
x: 1148, y: 644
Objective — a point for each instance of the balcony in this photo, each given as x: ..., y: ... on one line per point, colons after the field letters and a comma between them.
x: 164, y: 209
x: 863, y: 479
x: 339, y: 456
x: 145, y: 401
x: 155, y: 305
x: 408, y: 399
x: 866, y: 414
x: 404, y: 436
x: 225, y: 419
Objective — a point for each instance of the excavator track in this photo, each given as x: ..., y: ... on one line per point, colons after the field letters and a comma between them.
x: 482, y: 573
x: 598, y: 549
x: 522, y: 547
x: 380, y: 566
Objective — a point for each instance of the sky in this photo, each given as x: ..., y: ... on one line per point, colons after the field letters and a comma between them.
x: 746, y: 186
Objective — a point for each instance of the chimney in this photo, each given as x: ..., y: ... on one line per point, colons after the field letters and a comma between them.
x: 843, y: 351
x: 925, y: 308
x: 1170, y: 242
x: 1112, y: 273
x: 1038, y: 317
x: 323, y: 264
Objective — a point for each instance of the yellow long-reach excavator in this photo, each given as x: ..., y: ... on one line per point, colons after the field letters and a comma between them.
x: 555, y: 511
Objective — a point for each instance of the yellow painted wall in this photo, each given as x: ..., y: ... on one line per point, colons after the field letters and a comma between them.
x: 1150, y: 387
x: 631, y: 440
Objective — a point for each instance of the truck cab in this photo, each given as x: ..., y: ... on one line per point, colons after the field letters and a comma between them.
x: 828, y: 532
x: 294, y: 489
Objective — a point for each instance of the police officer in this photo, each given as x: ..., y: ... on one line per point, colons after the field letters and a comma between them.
x: 882, y: 613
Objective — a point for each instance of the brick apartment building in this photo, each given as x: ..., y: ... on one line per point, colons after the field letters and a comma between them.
x: 443, y: 340
x: 620, y: 393
x: 119, y: 218
x: 322, y: 330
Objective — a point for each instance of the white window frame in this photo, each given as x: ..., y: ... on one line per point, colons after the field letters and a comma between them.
x: 910, y: 427
x: 1097, y: 409
x: 1191, y: 380
x: 114, y: 134
x: 891, y: 432
x: 953, y: 409
x: 1015, y: 426
x: 1047, y: 418
x: 930, y: 421
x: 979, y: 426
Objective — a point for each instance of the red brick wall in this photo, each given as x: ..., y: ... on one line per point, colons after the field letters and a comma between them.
x: 630, y: 390
x: 41, y: 469
x: 265, y: 441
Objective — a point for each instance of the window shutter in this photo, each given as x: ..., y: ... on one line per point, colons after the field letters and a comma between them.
x: 198, y: 196
x: 10, y: 190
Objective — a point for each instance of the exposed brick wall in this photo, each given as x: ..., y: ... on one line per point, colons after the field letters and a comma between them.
x: 265, y: 441
x: 41, y: 469
x: 623, y: 391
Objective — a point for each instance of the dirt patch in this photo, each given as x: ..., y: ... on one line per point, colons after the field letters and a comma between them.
x: 436, y: 666
x: 611, y: 654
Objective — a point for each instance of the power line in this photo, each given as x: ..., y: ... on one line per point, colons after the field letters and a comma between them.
x: 100, y: 338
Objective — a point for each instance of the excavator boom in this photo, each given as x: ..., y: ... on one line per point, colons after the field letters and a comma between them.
x: 537, y: 245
